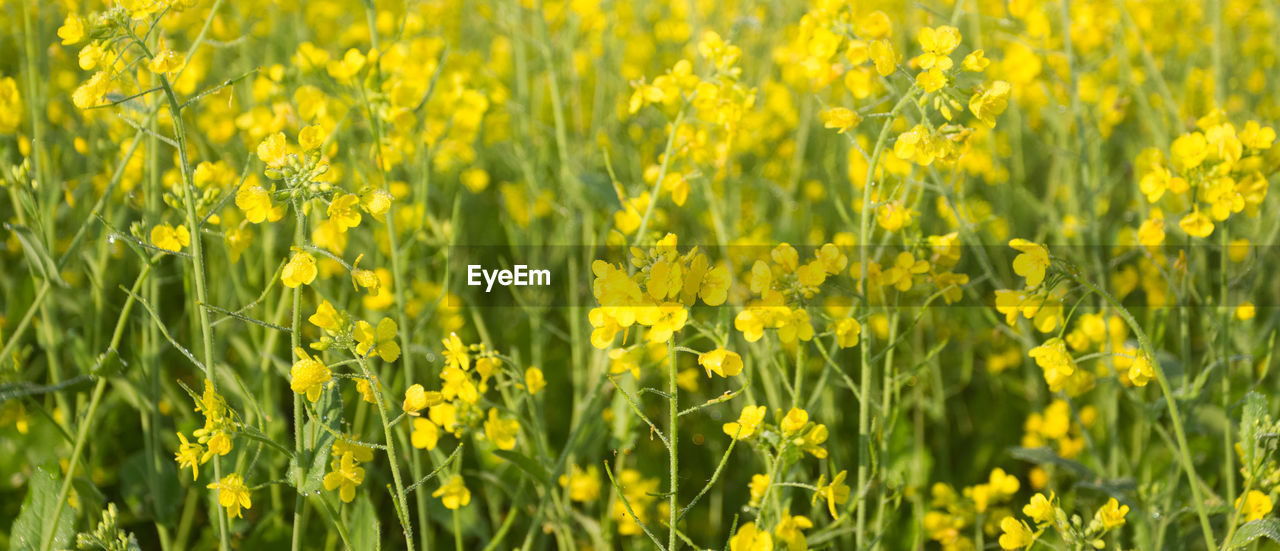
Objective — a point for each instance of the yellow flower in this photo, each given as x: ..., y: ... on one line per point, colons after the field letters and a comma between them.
x: 11, y: 106
x: 170, y: 238
x: 721, y: 362
x: 256, y: 204
x: 1255, y: 136
x: 1188, y: 151
x: 455, y: 353
x: 990, y: 103
x: 975, y: 62
x: 748, y: 422
x: 794, y: 421
x: 350, y: 64
x: 475, y: 179
x: 72, y: 30
x: 326, y: 317
x: 417, y: 398
x: 1246, y: 311
x: 932, y: 81
x: 346, y: 476
x: 663, y: 320
x: 1112, y: 514
x: 1151, y: 232
x: 1141, y: 371
x: 301, y: 270
x: 1033, y: 261
x: 167, y: 61
x: 376, y: 201
x: 937, y: 44
x: 533, y: 378
x: 454, y: 493
x: 583, y: 485
x: 758, y: 485
x: 342, y: 211
x: 308, y: 375
x: 382, y: 341
x: 502, y: 432
x: 425, y: 434
x: 836, y: 493
x: 232, y: 494
x: 1040, y: 509
x: 87, y: 95
x: 749, y: 538
x: 789, y: 532
x: 1016, y: 534
x: 1255, y: 505
x: 841, y: 118
x: 273, y: 151
x: 1196, y: 224
x: 189, y: 455
x: 882, y: 55
x: 311, y: 138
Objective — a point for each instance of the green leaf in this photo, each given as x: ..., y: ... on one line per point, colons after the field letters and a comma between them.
x: 41, y: 500
x: 364, y: 528
x: 37, y: 255
x: 529, y: 466
x: 318, y: 442
x: 1268, y: 527
x: 1251, y: 421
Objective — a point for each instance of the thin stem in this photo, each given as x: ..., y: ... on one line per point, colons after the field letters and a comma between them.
x: 673, y: 437
x: 1184, y: 451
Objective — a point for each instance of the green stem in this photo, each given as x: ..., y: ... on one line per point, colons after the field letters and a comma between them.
x: 662, y: 175
x: 864, y: 409
x: 197, y: 254
x: 295, y: 342
x: 1184, y: 451
x: 673, y: 437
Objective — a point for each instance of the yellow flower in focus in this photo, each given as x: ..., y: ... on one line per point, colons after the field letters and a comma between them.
x: 256, y: 204
x: 847, y: 331
x: 273, y: 151
x: 1112, y: 514
x: 346, y: 476
x: 454, y: 493
x: 170, y: 238
x: 1016, y: 534
x: 1033, y: 261
x: 932, y: 81
x: 1254, y: 506
x: 937, y: 44
x: 794, y: 421
x: 789, y: 532
x: 1040, y: 509
x: 748, y: 422
x: 301, y: 270
x: 722, y: 362
x: 417, y: 398
x: 326, y: 317
x: 72, y: 30
x: 836, y: 493
x: 308, y: 375
x: 232, y: 494
x: 382, y: 340
x: 311, y: 138
x: 455, y: 353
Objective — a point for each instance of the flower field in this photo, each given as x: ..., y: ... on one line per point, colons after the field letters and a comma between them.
x: 596, y: 275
